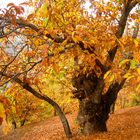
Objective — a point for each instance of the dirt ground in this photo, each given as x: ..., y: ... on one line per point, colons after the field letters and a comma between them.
x: 122, y: 125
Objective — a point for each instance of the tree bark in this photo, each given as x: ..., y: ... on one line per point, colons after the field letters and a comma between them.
x: 123, y: 20
x: 93, y: 114
x: 14, y: 125
x: 89, y: 119
x: 94, y: 106
x: 22, y: 122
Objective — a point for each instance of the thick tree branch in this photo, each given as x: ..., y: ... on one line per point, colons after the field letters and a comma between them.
x: 112, y: 52
x: 110, y: 97
x: 113, y: 91
x: 102, y: 67
x: 134, y: 3
x: 125, y: 13
x: 56, y: 39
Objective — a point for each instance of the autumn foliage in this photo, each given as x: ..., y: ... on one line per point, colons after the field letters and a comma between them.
x: 84, y: 50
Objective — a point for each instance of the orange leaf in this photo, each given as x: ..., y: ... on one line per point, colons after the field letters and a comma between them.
x: 45, y: 62
x: 24, y: 3
x: 31, y: 16
x: 56, y: 68
x: 10, y: 5
x: 36, y: 81
x: 45, y: 50
x: 30, y: 53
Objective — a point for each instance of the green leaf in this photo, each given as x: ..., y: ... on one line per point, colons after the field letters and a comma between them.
x: 133, y: 64
x: 61, y: 75
x: 45, y: 20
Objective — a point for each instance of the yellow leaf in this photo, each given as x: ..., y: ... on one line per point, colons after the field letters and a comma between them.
x: 138, y: 88
x: 127, y: 75
x: 43, y: 11
x: 78, y: 38
x: 138, y: 78
x: 47, y: 2
x: 123, y: 62
x: 111, y: 78
x: 136, y: 42
x: 92, y: 41
x: 130, y: 77
x: 75, y: 37
x: 13, y: 109
x: 64, y: 42
x: 106, y: 74
x: 1, y: 111
x: 138, y: 70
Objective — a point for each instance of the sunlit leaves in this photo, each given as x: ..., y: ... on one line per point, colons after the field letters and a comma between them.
x: 22, y: 106
x: 106, y: 74
x: 136, y: 42
x: 110, y: 77
x: 43, y: 11
x: 128, y: 76
x: 30, y: 16
x: 56, y: 33
x: 123, y: 62
x: 138, y: 70
x: 30, y: 53
x: 18, y: 9
x: 46, y: 20
x: 1, y: 112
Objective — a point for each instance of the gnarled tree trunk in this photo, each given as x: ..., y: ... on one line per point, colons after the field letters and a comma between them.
x: 94, y: 105
x: 93, y: 112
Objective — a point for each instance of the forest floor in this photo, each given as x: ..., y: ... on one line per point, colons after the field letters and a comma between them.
x: 124, y: 124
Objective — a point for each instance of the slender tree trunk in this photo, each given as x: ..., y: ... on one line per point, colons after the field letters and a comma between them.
x: 61, y: 115
x: 22, y: 122
x: 14, y: 125
x: 50, y: 101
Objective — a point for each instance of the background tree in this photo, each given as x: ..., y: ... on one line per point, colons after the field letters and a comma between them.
x: 62, y: 30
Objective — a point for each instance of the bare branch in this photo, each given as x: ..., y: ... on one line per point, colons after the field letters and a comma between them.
x: 6, y: 66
